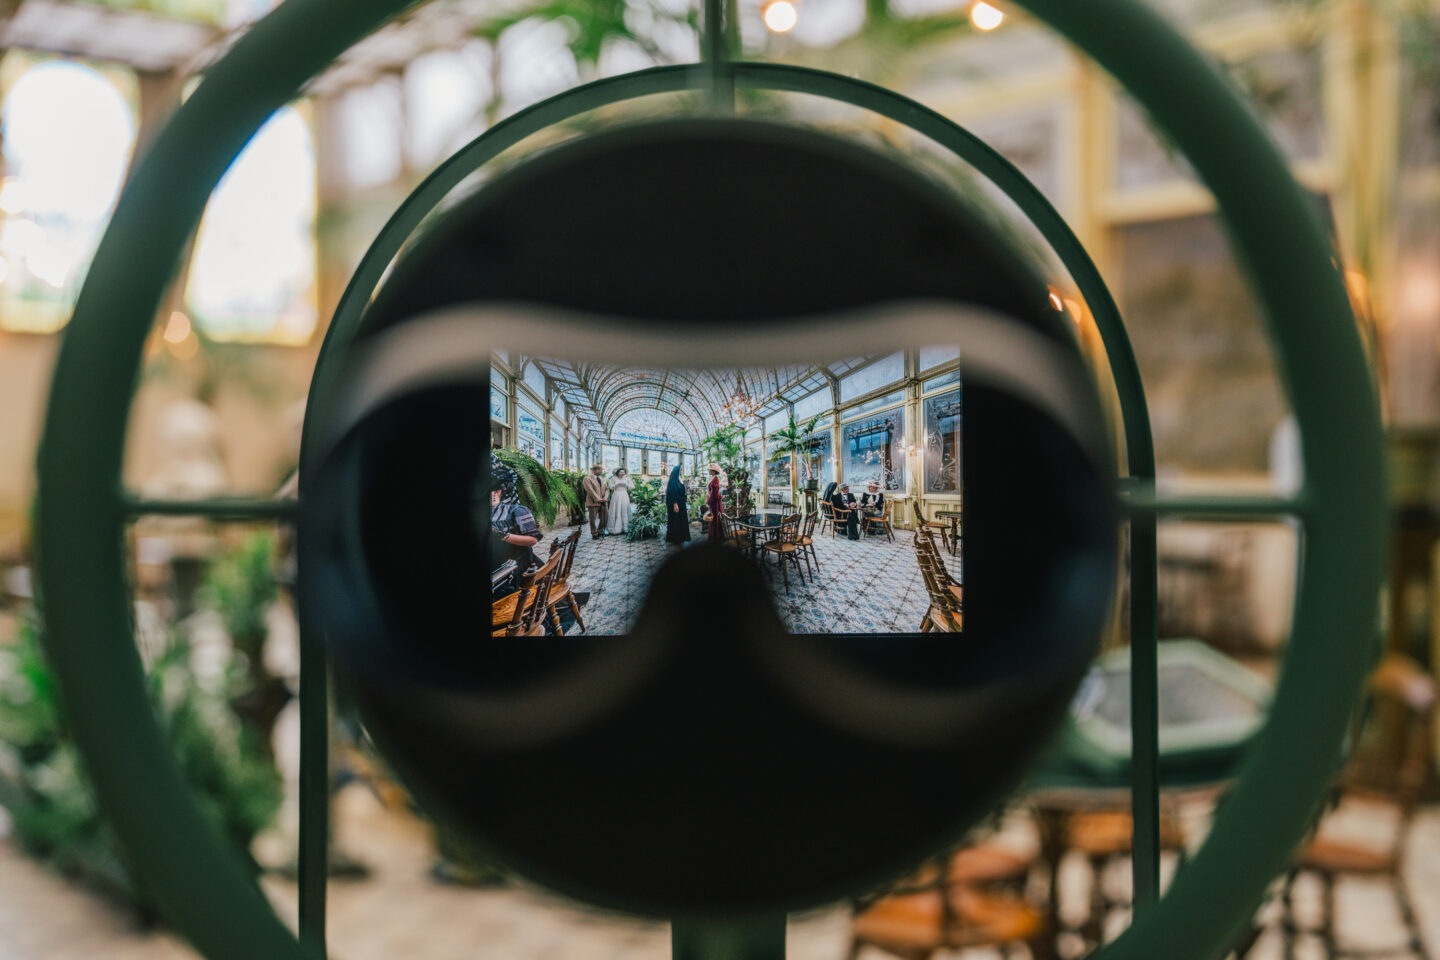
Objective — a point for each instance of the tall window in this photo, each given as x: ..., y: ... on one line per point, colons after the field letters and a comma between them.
x: 871, y: 450
x: 879, y: 374
x: 688, y: 467
x: 68, y: 132
x: 633, y: 460
x: 531, y: 432
x: 610, y: 457
x: 942, y: 443
x: 253, y: 273
x: 652, y: 462
x: 816, y: 463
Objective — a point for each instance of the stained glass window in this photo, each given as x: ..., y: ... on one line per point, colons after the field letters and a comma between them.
x: 870, y: 450
x: 531, y: 432
x: 777, y: 470
x: 650, y: 427
x: 942, y: 443
x: 816, y: 462
x: 499, y: 402
x: 879, y: 374
x: 633, y: 459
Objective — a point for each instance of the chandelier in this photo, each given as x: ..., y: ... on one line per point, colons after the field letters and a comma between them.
x: 741, y: 407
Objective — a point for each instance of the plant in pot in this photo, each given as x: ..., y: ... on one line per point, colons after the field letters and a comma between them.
x: 792, y: 440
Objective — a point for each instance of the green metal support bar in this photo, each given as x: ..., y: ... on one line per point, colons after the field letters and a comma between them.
x: 1140, y: 501
x: 220, y: 509
x: 761, y: 938
x: 314, y: 852
x: 715, y: 51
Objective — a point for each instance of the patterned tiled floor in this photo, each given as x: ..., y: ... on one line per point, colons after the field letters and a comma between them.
x: 871, y: 585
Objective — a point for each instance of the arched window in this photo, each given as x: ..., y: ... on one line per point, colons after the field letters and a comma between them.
x: 647, y: 427
x: 68, y: 132
x: 253, y: 273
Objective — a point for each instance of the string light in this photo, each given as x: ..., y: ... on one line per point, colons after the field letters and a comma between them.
x: 985, y: 17
x: 780, y: 15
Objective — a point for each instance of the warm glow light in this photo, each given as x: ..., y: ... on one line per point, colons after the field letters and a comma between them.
x: 780, y: 15
x: 1055, y: 301
x: 985, y: 17
x: 4, y: 270
x: 178, y: 328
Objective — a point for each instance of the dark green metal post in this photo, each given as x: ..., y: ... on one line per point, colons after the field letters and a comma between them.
x: 314, y: 854
x: 715, y: 49
x: 761, y: 938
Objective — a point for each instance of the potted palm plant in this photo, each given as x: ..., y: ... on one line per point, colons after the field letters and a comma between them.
x: 792, y: 440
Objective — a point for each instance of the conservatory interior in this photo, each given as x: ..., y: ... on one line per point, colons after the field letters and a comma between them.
x: 842, y: 480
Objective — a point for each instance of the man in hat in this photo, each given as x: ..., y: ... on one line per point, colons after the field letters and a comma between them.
x: 846, y: 513
x: 596, y: 501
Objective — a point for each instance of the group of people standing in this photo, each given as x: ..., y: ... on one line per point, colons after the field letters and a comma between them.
x: 607, y: 504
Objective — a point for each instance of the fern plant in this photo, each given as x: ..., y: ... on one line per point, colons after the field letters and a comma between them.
x: 534, y: 487
x: 648, y: 506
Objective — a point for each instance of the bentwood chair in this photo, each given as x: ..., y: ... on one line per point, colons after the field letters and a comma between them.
x: 522, y: 612
x: 944, y: 614
x: 560, y: 591
x: 925, y: 548
x: 785, y: 549
x: 827, y: 516
x: 948, y: 916
x: 1388, y: 771
x: 839, y: 519
x: 806, y: 541
x: 881, y: 522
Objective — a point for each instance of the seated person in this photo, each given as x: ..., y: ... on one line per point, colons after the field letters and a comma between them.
x: 513, y: 530
x: 843, y: 499
x: 872, y: 501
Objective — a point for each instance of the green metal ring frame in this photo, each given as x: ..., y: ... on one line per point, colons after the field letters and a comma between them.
x: 1275, y: 229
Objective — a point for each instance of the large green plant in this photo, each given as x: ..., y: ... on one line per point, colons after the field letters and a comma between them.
x: 240, y: 587
x: 792, y: 440
x: 542, y: 491
x: 648, y: 511
x: 44, y: 787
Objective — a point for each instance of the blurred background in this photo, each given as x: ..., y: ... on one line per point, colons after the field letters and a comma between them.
x: 1350, y: 90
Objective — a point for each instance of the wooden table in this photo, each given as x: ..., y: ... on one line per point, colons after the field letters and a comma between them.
x: 954, y: 516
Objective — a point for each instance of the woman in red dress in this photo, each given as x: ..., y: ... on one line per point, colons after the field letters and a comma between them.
x: 714, y: 505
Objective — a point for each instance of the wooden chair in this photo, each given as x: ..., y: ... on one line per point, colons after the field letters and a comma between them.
x: 827, y: 516
x: 944, y: 614
x: 925, y: 547
x: 933, y: 527
x: 522, y: 613
x: 785, y: 549
x: 806, y: 541
x: 1389, y: 769
x: 839, y: 519
x: 881, y: 522
x: 560, y: 591
x: 1103, y: 836
x: 918, y: 925
x: 737, y: 534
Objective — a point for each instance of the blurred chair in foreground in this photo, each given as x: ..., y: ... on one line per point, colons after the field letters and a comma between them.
x: 1388, y: 770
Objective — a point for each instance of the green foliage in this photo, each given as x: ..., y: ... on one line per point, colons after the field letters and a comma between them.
x: 538, y: 489
x: 241, y: 587
x: 569, y: 491
x: 648, y: 506
x: 790, y: 441
x: 724, y: 445
x: 44, y: 787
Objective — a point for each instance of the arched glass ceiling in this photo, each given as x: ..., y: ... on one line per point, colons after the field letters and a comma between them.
x: 644, y: 427
x: 604, y: 397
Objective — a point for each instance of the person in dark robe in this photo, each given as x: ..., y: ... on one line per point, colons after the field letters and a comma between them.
x: 843, y: 499
x: 677, y: 511
x: 714, y: 504
x: 513, y: 530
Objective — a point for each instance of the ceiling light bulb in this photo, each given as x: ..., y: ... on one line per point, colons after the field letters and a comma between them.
x: 780, y: 15
x: 985, y: 17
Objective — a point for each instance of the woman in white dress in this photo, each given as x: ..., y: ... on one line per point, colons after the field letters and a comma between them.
x: 620, y: 486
